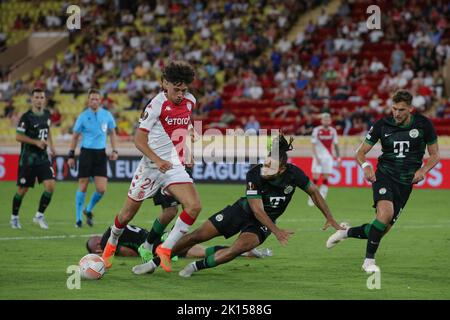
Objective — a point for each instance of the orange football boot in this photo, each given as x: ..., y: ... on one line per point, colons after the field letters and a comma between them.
x: 108, y: 254
x: 165, y: 255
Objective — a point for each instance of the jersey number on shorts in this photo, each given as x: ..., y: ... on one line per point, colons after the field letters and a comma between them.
x: 147, y: 184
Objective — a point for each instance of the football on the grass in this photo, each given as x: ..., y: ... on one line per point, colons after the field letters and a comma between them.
x: 92, y: 267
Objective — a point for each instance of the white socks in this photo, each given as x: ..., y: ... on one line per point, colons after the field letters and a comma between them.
x: 180, y: 229
x: 115, y: 235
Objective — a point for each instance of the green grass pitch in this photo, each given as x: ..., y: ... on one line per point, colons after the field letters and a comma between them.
x: 414, y: 257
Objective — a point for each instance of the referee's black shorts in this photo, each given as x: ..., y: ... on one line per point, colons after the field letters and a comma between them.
x: 92, y: 163
x: 384, y: 188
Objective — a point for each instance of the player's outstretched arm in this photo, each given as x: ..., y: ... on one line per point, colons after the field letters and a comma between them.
x: 141, y: 142
x: 319, y: 201
x: 258, y: 210
x: 433, y: 151
x: 361, y: 152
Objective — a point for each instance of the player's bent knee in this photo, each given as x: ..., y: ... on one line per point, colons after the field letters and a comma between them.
x: 193, y: 208
x: 22, y: 191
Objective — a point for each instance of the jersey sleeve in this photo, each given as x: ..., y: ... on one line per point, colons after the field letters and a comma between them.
x: 23, y: 124
x: 335, y: 137
x: 430, y: 135
x: 253, y: 183
x: 314, y: 135
x: 150, y: 116
x: 301, y: 179
x: 374, y: 133
x: 111, y: 122
x: 78, y: 127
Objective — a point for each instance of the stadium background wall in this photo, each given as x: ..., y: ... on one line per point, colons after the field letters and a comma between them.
x: 348, y: 175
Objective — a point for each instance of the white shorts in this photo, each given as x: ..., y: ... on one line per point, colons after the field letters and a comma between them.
x: 147, y: 180
x: 325, y: 166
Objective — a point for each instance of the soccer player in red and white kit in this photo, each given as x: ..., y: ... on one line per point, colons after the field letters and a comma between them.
x: 323, y: 138
x: 163, y: 129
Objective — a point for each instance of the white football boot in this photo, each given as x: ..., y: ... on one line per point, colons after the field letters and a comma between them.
x: 369, y: 266
x: 188, y: 270
x: 148, y: 267
x: 338, y: 236
x: 15, y: 222
x: 40, y: 220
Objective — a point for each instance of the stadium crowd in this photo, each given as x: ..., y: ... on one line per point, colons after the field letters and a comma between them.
x: 242, y: 54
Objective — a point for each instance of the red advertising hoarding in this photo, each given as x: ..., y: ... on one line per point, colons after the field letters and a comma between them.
x: 348, y: 175
x: 351, y: 175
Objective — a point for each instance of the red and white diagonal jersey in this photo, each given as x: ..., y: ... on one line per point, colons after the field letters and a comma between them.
x: 167, y: 125
x: 324, y: 138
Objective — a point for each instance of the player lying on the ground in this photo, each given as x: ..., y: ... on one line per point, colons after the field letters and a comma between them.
x: 270, y: 188
x: 403, y: 137
x: 133, y: 237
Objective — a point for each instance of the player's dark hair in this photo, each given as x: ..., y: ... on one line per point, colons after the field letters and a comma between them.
x: 89, y: 249
x: 402, y: 96
x: 37, y: 90
x: 178, y: 72
x: 283, y: 147
x: 93, y: 91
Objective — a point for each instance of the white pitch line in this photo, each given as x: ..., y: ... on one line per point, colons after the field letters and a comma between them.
x: 432, y: 226
x: 49, y: 237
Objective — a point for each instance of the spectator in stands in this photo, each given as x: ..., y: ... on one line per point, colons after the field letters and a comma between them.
x: 375, y: 104
x: 225, y: 121
x: 252, y: 126
x: 55, y: 117
x: 407, y: 72
x: 307, y: 107
x: 325, y: 107
x: 52, y: 20
x: 441, y: 108
x: 254, y: 91
x: 6, y: 88
x: 9, y: 109
x: 438, y: 84
x: 397, y: 59
x: 52, y: 83
x: 307, y: 126
x: 282, y: 111
x: 376, y: 65
x: 342, y: 91
x: 323, y: 92
x: 343, y: 121
x: 375, y: 35
x: 322, y: 19
x: 364, y: 91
